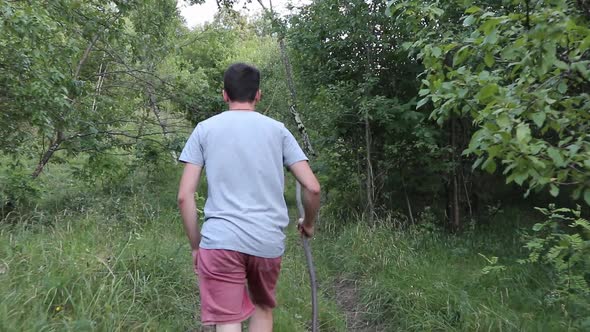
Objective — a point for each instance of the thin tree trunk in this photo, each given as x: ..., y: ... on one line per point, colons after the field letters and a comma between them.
x: 59, y: 138
x: 370, y: 175
x: 101, y: 77
x: 407, y: 198
x: 370, y: 189
x: 59, y: 135
x: 156, y: 110
x: 456, y: 211
x: 463, y: 136
x: 307, y: 147
x: 468, y: 200
x: 359, y: 172
x: 293, y: 100
x: 85, y: 55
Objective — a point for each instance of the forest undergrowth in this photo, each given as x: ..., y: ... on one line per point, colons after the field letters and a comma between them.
x: 113, y: 257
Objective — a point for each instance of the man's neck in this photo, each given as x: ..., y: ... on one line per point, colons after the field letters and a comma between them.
x: 241, y: 106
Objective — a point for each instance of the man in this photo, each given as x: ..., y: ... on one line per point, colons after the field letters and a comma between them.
x: 237, y: 254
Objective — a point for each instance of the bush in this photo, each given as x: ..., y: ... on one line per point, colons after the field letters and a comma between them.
x: 562, y: 243
x: 17, y: 188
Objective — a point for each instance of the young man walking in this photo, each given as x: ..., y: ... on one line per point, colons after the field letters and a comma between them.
x: 237, y: 254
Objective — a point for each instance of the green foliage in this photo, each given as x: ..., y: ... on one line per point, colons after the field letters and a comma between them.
x: 92, y: 77
x: 493, y: 267
x: 102, y: 90
x: 521, y: 73
x: 410, y: 281
x: 90, y: 260
x: 354, y: 72
x: 17, y: 189
x: 562, y: 242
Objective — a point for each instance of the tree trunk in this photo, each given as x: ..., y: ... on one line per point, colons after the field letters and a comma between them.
x: 407, y: 198
x: 97, y: 90
x: 308, y: 148
x: 466, y: 191
x: 59, y: 138
x: 369, y: 170
x: 156, y: 110
x: 369, y: 165
x: 456, y: 218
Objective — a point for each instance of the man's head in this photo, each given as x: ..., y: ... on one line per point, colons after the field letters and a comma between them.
x: 241, y: 83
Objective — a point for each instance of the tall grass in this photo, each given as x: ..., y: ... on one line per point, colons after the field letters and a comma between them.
x: 115, y: 258
x: 422, y: 280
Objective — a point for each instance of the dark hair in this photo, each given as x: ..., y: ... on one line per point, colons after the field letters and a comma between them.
x: 241, y: 82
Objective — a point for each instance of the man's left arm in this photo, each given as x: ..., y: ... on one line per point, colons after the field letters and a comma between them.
x: 186, y: 203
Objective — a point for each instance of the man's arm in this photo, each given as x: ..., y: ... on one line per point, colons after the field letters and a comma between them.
x: 186, y: 203
x: 310, y: 188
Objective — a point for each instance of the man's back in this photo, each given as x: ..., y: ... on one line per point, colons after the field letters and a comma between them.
x: 238, y: 253
x: 244, y: 153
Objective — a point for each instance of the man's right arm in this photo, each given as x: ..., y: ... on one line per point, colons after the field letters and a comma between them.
x: 310, y: 188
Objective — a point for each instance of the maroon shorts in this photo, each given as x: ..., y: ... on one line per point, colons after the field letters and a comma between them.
x: 231, y: 283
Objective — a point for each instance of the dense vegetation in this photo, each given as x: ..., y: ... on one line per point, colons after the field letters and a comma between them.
x: 451, y: 139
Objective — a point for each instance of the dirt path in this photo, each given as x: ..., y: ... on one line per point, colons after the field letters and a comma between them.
x: 347, y: 297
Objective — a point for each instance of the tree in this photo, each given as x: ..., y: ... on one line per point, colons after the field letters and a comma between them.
x: 360, y: 89
x: 523, y: 75
x: 86, y: 104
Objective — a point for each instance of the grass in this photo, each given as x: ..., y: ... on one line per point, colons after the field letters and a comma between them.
x: 86, y: 259
x: 113, y: 257
x: 417, y: 280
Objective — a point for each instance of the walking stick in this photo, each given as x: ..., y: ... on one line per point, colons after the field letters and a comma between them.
x: 310, y: 266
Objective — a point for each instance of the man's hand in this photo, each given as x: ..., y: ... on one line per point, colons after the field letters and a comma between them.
x: 310, y: 189
x: 196, y: 261
x: 304, y: 229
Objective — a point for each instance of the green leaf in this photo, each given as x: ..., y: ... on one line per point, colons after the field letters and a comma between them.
x: 555, y: 155
x: 562, y: 88
x: 587, y: 196
x: 472, y: 10
x: 504, y: 121
x: 407, y: 45
x: 550, y: 100
x: 487, y: 92
x: 537, y: 162
x: 491, y: 38
x: 489, y: 59
x: 484, y: 75
x: 554, y: 191
x: 422, y: 102
x: 462, y: 92
x: 477, y: 162
x: 523, y: 134
x: 520, y: 178
x: 561, y: 65
x: 536, y: 148
x: 469, y: 20
x: 461, y: 55
x: 582, y: 67
x: 489, y: 165
x: 539, y: 118
x: 436, y: 52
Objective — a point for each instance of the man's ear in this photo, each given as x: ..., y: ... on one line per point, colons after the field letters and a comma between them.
x: 225, y: 96
x: 258, y: 95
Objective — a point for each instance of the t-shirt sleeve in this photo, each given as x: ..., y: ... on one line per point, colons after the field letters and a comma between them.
x: 193, y: 149
x: 292, y: 152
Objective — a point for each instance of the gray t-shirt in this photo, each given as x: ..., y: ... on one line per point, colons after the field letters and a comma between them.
x: 244, y: 154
